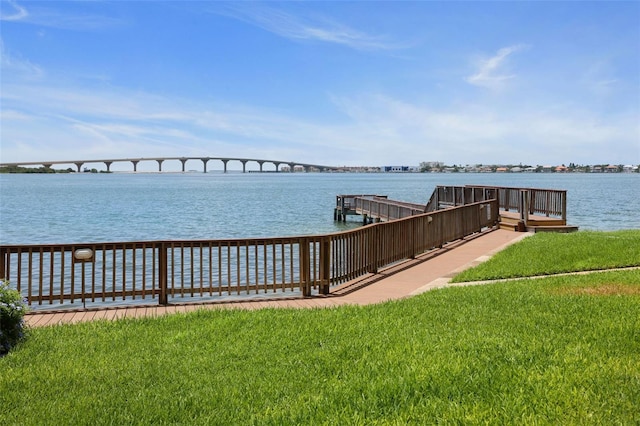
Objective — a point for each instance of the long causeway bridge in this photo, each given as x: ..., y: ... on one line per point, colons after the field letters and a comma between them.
x: 160, y: 160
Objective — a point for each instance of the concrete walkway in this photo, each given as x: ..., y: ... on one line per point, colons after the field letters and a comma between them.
x: 432, y: 270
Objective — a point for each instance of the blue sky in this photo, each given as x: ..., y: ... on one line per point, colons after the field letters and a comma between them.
x: 335, y: 83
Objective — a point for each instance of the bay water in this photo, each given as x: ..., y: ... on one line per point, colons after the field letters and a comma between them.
x: 87, y: 207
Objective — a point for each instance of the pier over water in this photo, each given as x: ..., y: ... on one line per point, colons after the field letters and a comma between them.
x: 86, y: 275
x: 521, y: 209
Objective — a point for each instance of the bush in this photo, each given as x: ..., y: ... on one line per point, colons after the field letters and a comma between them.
x: 12, y: 310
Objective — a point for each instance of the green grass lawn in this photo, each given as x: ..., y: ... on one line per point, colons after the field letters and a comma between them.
x: 562, y: 350
x: 552, y: 253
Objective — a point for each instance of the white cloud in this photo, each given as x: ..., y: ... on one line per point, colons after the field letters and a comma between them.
x: 23, y: 69
x: 80, y: 124
x: 600, y: 79
x: 492, y: 134
x: 295, y: 27
x: 490, y: 72
x: 16, y: 13
x: 45, y: 15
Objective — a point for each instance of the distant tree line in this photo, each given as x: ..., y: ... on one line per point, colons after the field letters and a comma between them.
x: 19, y: 169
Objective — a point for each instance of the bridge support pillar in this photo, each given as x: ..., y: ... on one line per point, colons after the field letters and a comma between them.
x: 108, y: 164
x: 204, y: 163
x: 291, y: 167
x: 244, y: 166
x: 79, y: 166
x: 260, y: 163
x: 135, y: 165
x: 184, y: 162
x: 225, y: 165
x: 275, y: 163
x: 159, y: 165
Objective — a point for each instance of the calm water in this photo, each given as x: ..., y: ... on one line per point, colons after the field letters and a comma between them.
x: 125, y: 207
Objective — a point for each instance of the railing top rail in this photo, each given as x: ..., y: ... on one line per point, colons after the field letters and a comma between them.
x: 510, y: 187
x: 399, y: 203
x: 433, y: 213
x: 152, y: 243
x: 366, y: 196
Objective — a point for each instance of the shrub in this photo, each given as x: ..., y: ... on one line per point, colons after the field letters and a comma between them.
x: 12, y: 310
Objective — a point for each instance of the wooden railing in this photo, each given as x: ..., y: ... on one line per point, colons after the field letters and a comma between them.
x: 526, y: 201
x: 95, y: 274
x: 367, y: 249
x: 376, y: 207
x: 385, y: 209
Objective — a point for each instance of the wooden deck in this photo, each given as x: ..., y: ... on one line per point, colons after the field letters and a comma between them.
x: 520, y: 209
x: 511, y: 221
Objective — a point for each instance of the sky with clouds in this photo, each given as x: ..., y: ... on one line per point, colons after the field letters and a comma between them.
x: 334, y: 83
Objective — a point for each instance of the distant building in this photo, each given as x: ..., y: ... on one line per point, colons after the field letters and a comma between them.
x: 399, y: 169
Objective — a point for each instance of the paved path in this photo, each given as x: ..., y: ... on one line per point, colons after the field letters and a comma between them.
x: 410, y: 278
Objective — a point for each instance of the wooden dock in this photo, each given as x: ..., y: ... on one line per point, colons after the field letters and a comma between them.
x: 139, y: 273
x: 512, y: 222
x: 521, y: 209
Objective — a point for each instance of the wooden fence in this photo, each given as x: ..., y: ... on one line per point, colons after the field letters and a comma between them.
x: 97, y: 274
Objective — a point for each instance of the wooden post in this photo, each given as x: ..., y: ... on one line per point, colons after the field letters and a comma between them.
x: 372, y: 266
x: 325, y: 265
x: 3, y: 257
x: 305, y: 267
x: 524, y: 206
x: 162, y: 274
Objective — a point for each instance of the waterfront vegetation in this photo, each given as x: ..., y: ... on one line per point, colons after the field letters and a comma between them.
x: 18, y: 169
x: 43, y: 169
x: 12, y: 310
x: 558, y: 350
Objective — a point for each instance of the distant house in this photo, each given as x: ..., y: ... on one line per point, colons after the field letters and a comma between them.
x: 516, y: 169
x: 611, y: 169
x: 630, y: 169
x: 561, y: 169
x: 502, y: 170
x: 397, y: 169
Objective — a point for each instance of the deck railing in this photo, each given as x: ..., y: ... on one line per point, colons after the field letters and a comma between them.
x: 386, y: 209
x: 97, y: 274
x: 526, y: 201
